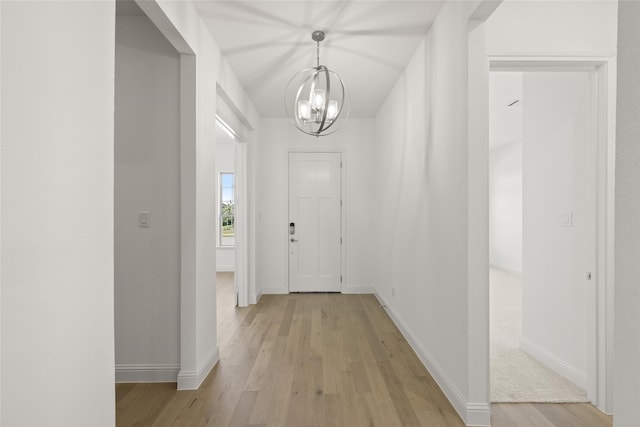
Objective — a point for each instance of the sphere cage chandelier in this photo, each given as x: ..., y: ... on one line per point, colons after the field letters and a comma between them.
x: 316, y: 99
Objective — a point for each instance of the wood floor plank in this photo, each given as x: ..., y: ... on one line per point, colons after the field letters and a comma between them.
x: 285, y: 325
x: 381, y: 396
x: 332, y: 412
x: 321, y: 360
x: 245, y: 405
x: 130, y: 411
x: 360, y: 378
x: 398, y: 395
x: 589, y: 414
x: 122, y: 390
x: 259, y: 372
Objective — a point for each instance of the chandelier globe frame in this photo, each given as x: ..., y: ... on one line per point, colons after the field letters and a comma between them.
x: 316, y: 99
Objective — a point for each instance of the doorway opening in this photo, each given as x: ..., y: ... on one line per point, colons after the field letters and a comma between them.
x: 226, y: 288
x: 548, y: 172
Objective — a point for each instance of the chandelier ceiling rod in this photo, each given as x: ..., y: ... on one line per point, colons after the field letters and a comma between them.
x: 318, y: 36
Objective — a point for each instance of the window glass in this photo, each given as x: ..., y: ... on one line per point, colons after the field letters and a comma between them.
x: 227, y: 210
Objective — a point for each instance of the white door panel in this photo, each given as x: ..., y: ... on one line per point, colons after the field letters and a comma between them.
x: 315, y: 209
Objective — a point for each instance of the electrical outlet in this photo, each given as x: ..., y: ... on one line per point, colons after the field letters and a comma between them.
x: 393, y: 292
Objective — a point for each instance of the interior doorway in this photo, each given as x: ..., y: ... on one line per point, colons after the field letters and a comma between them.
x: 543, y: 233
x: 231, y: 190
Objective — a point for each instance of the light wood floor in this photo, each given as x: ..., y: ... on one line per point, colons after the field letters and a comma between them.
x: 316, y: 359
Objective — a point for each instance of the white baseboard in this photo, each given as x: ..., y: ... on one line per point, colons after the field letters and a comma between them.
x: 358, y: 289
x: 554, y: 363
x: 506, y: 268
x: 274, y: 291
x: 160, y: 373
x: 478, y: 414
x: 191, y: 380
x: 254, y: 299
x: 473, y: 414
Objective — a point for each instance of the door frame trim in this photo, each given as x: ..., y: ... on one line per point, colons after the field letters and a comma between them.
x: 343, y: 195
x: 600, y: 316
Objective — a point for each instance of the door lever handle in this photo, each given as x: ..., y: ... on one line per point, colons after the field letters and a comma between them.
x: 294, y: 240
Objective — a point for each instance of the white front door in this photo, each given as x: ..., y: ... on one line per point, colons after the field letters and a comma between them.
x: 315, y: 240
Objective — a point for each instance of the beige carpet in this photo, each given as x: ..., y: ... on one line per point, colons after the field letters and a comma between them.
x: 516, y: 376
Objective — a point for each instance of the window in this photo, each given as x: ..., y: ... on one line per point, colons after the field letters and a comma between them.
x: 226, y: 226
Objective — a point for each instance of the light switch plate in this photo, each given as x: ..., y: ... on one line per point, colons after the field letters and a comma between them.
x: 143, y: 219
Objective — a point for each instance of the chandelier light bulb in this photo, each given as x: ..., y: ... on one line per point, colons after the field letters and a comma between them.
x: 304, y: 110
x: 332, y: 110
x: 318, y: 99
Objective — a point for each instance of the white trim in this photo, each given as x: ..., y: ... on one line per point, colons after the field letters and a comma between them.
x: 506, y: 268
x: 191, y: 380
x: 274, y: 290
x: 231, y: 133
x: 225, y: 269
x: 255, y: 299
x: 478, y: 414
x: 600, y: 326
x: 358, y: 289
x: 473, y: 414
x: 554, y: 363
x: 241, y: 225
x: 188, y: 198
x: 546, y: 62
x: 160, y: 373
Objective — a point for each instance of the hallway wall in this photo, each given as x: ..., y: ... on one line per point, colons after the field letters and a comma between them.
x: 552, y: 28
x: 147, y: 178
x: 422, y: 155
x: 57, y: 213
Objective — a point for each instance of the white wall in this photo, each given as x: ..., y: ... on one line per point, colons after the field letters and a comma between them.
x: 558, y: 180
x: 551, y: 28
x: 423, y: 162
x: 225, y: 162
x: 277, y: 138
x: 147, y: 178
x: 627, y: 268
x: 505, y: 204
x: 505, y: 184
x: 57, y: 213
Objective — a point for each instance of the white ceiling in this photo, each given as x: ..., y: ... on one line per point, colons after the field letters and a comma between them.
x: 368, y: 44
